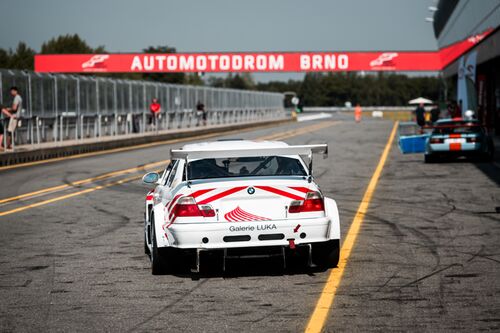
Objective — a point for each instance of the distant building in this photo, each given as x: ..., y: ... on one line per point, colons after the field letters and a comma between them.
x: 478, y: 71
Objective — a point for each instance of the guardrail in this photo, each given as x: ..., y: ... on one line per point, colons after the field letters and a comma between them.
x: 350, y: 109
x: 69, y: 126
x: 71, y: 107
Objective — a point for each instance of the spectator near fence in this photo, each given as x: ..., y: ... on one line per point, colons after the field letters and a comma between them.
x: 11, y: 113
x: 155, y: 109
x: 201, y: 112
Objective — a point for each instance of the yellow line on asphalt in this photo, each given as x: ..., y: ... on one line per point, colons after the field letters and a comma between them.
x: 116, y: 150
x: 282, y: 135
x: 139, y: 168
x: 299, y: 131
x: 41, y: 203
x: 83, y: 181
x: 325, y: 301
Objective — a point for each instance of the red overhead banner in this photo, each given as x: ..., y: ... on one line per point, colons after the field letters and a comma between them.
x: 239, y: 62
x: 255, y: 62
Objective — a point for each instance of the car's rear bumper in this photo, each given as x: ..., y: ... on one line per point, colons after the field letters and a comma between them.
x: 472, y: 149
x: 462, y: 148
x: 222, y: 235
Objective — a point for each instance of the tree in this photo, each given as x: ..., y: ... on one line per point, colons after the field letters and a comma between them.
x: 69, y: 44
x: 4, y: 59
x: 193, y: 79
x: 240, y: 81
x: 23, y: 57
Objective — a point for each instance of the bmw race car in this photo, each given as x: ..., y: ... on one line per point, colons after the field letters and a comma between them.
x: 458, y: 137
x: 239, y: 198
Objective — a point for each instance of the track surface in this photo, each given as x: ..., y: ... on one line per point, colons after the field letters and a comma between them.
x: 427, y: 257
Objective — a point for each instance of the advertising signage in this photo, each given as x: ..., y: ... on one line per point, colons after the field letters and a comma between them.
x: 255, y: 62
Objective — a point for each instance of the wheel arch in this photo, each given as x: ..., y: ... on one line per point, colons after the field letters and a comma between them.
x: 158, y: 217
x: 332, y: 212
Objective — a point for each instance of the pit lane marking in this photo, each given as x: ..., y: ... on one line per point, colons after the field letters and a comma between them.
x: 83, y: 181
x: 140, y: 168
x: 281, y: 136
x: 325, y: 301
x: 44, y: 202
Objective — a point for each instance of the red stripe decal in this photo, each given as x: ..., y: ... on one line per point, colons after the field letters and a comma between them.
x: 236, y: 214
x: 171, y: 222
x: 173, y: 201
x: 455, y: 136
x: 300, y: 189
x: 201, y: 192
x: 221, y: 195
x: 149, y: 197
x: 280, y: 192
x: 239, y: 215
x: 455, y: 146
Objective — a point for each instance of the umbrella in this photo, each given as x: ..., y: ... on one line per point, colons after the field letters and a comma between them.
x: 420, y: 100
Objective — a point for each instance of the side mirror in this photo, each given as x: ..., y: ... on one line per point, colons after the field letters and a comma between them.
x: 150, y: 178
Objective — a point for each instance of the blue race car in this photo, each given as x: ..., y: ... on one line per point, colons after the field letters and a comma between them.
x: 458, y: 137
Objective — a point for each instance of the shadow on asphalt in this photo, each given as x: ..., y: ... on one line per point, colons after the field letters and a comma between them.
x: 492, y: 170
x: 258, y: 267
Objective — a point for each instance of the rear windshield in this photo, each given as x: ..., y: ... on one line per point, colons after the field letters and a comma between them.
x: 457, y: 128
x: 245, y: 167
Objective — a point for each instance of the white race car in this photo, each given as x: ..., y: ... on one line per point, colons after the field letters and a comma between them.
x: 239, y: 198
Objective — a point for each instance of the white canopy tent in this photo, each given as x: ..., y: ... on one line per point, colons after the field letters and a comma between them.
x: 420, y: 100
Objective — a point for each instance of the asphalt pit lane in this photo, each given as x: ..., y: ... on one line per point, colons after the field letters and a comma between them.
x: 461, y: 275
x: 36, y: 268
x: 59, y: 291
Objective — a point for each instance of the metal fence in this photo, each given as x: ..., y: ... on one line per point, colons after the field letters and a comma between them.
x: 71, y: 107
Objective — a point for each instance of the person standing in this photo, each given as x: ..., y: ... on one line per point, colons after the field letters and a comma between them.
x: 155, y: 109
x: 420, y: 115
x: 12, y: 114
x: 435, y: 112
x: 357, y: 113
x: 200, y: 108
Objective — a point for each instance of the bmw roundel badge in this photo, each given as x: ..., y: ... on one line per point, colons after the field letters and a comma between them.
x: 250, y: 190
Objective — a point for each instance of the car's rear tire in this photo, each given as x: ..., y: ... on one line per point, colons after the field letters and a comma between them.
x: 429, y: 159
x: 159, y: 264
x: 326, y: 254
x: 146, y: 248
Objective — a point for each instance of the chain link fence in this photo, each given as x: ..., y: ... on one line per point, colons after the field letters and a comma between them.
x: 72, y: 107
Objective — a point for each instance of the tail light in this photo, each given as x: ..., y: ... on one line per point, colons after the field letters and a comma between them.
x: 473, y: 139
x: 206, y: 210
x: 436, y: 140
x: 186, y: 207
x: 312, y: 203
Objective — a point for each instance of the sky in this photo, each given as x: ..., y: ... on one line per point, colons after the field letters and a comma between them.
x: 223, y: 25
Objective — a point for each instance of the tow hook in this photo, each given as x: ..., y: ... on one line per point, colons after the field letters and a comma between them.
x: 291, y: 243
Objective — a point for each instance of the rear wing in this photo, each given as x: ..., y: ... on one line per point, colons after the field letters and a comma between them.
x: 177, y: 154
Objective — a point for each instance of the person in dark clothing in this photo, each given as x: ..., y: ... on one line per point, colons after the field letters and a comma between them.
x: 449, y: 109
x: 420, y: 115
x: 200, y: 108
x: 435, y: 111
